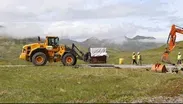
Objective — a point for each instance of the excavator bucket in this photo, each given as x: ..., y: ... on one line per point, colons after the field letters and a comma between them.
x: 159, y: 68
x: 165, y: 58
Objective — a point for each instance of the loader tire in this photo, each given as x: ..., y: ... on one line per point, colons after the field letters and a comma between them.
x: 69, y: 59
x: 39, y: 59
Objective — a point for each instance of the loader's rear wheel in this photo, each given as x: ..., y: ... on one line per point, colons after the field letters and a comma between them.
x: 39, y: 59
x: 69, y: 59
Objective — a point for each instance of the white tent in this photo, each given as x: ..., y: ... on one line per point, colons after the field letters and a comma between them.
x: 98, y: 52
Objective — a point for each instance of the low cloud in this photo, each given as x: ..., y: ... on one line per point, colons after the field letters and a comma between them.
x: 59, y: 10
x: 81, y: 19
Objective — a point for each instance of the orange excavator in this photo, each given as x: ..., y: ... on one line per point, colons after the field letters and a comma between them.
x: 169, y: 47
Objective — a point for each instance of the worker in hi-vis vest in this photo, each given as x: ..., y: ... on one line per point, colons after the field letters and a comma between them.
x: 179, y: 58
x: 139, y: 59
x: 134, y: 58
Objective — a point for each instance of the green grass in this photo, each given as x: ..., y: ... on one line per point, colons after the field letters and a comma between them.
x: 53, y: 84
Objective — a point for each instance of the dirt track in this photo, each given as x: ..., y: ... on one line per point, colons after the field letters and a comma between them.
x: 126, y: 66
x: 101, y: 66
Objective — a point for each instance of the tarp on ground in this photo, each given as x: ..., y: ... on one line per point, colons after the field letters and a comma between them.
x: 98, y: 52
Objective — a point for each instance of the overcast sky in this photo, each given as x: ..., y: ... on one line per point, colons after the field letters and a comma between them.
x: 81, y: 19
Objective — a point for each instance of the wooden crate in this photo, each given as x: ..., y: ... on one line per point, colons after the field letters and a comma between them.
x: 98, y: 59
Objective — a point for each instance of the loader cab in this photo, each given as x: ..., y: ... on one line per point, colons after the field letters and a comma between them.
x: 52, y: 41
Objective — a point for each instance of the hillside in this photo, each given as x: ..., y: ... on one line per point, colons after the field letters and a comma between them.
x: 10, y: 50
x: 135, y: 44
x: 126, y: 44
x: 153, y: 55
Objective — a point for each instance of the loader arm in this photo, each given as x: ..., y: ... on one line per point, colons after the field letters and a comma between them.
x: 77, y: 52
x: 171, y: 42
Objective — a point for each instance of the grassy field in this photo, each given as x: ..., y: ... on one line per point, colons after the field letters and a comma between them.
x: 55, y: 83
x: 65, y: 84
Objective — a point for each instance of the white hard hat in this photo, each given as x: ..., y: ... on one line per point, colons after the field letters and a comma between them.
x: 133, y: 52
x: 138, y: 52
x: 179, y: 53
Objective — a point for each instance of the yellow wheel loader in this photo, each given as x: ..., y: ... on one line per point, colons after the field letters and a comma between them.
x: 50, y: 51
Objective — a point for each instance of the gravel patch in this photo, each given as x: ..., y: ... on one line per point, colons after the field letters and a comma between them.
x: 160, y: 99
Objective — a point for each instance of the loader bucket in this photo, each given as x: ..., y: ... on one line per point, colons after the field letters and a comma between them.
x: 159, y: 68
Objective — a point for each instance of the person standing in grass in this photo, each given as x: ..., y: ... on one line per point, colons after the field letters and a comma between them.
x: 134, y: 58
x: 179, y: 58
x: 139, y: 59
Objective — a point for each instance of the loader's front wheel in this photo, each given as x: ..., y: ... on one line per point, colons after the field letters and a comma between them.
x: 39, y: 59
x: 69, y: 59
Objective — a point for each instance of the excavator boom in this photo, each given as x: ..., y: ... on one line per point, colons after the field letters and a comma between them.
x: 171, y: 42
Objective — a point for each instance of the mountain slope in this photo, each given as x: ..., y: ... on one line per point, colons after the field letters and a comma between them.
x: 138, y: 37
x: 139, y: 45
x: 10, y: 50
x: 127, y: 45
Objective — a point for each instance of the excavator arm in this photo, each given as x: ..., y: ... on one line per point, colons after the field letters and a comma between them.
x: 171, y: 43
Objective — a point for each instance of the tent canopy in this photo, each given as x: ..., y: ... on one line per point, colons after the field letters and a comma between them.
x: 98, y: 52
